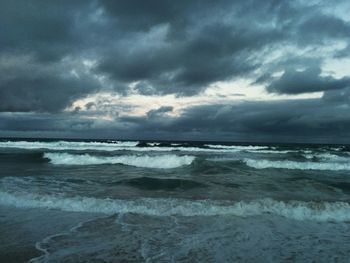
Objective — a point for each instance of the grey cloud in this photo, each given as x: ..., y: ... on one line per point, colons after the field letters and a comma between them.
x: 159, y: 111
x: 177, y: 47
x: 319, y: 28
x: 48, y: 30
x: 221, y: 46
x: 28, y: 85
x: 308, y: 80
x: 339, y: 97
x: 170, y: 47
x: 310, y: 120
x: 294, y: 121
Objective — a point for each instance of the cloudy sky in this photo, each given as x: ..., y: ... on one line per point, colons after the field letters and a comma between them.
x: 237, y: 70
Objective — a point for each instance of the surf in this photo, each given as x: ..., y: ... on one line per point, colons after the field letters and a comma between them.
x: 145, y: 161
x: 297, y: 210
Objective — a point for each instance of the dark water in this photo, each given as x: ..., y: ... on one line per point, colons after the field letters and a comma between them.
x: 110, y: 201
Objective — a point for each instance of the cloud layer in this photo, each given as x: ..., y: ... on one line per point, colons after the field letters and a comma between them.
x: 53, y: 54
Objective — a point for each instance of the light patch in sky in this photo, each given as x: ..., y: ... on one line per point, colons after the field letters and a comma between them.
x: 338, y: 68
x: 217, y: 93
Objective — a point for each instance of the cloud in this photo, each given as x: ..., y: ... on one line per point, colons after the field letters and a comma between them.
x: 311, y: 120
x: 159, y: 112
x: 46, y: 30
x: 28, y: 85
x: 165, y: 47
x: 308, y: 80
x: 52, y: 54
x: 340, y: 97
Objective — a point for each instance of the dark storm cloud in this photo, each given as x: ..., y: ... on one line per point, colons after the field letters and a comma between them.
x: 46, y: 29
x: 29, y: 122
x: 176, y: 47
x: 308, y: 80
x: 311, y: 120
x: 36, y: 37
x: 193, y: 52
x: 159, y: 112
x: 52, y: 53
x: 320, y: 28
x: 28, y: 85
x: 338, y: 96
x: 209, y: 42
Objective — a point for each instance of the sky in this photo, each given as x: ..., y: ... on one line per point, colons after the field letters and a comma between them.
x: 235, y: 70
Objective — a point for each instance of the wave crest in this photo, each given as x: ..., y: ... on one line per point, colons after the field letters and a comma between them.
x: 68, y: 145
x: 263, y: 164
x: 132, y: 146
x: 298, y: 210
x: 237, y: 147
x: 159, y: 161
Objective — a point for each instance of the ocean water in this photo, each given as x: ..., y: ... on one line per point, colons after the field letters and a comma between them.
x: 131, y: 201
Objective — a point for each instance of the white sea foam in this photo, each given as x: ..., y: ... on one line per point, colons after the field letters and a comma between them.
x: 102, y: 146
x: 132, y: 146
x: 69, y: 145
x: 272, y: 151
x: 159, y: 161
x: 238, y: 147
x: 153, y: 143
x: 328, y: 157
x: 299, y: 210
x: 263, y: 164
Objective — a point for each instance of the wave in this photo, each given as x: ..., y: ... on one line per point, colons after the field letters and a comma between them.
x: 298, y: 210
x: 131, y: 146
x: 160, y: 161
x: 328, y: 157
x: 104, y: 146
x: 272, y: 151
x: 238, y: 147
x: 153, y: 144
x: 263, y: 164
x: 69, y: 145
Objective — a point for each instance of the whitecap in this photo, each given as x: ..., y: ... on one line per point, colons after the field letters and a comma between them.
x: 263, y: 164
x: 328, y: 157
x: 298, y: 210
x: 69, y: 145
x: 238, y: 147
x: 146, y: 161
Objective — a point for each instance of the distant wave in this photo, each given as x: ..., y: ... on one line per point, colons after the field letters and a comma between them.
x: 328, y: 157
x: 153, y: 144
x: 298, y: 210
x: 160, y: 161
x: 247, y: 148
x: 238, y: 147
x: 263, y: 164
x: 133, y: 146
x: 69, y: 145
x: 105, y: 146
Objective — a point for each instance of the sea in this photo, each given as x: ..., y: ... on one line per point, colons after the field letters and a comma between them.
x: 162, y: 201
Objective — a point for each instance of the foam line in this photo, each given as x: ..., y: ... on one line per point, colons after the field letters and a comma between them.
x: 159, y: 161
x: 263, y: 164
x: 298, y: 210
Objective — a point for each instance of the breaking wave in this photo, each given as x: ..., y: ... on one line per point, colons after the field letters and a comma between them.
x: 328, y: 157
x: 132, y: 146
x: 263, y: 164
x: 238, y: 147
x: 160, y: 161
x: 69, y: 145
x: 298, y: 210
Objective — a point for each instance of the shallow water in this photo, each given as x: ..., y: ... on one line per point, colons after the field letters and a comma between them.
x: 110, y: 201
